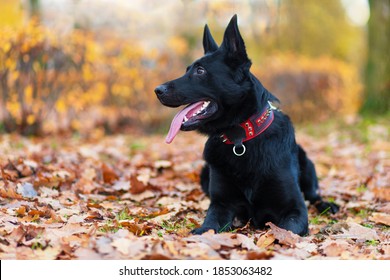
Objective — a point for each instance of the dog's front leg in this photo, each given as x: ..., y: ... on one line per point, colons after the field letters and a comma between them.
x: 222, y: 209
x: 218, y: 219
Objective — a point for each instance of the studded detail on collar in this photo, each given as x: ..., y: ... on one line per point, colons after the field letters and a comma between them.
x: 255, y: 125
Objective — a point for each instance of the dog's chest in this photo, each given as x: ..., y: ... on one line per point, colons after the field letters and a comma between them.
x: 246, y: 169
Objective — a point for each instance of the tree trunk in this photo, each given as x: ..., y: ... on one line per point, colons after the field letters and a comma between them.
x: 377, y: 76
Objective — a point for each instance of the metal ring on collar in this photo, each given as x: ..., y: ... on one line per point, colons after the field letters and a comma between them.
x: 239, y: 154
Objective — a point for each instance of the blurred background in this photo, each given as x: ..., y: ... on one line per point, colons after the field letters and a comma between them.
x: 83, y: 66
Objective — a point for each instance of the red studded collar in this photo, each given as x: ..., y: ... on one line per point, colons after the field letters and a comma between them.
x: 255, y: 125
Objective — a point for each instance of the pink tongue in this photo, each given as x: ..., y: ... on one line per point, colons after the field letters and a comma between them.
x: 178, y: 120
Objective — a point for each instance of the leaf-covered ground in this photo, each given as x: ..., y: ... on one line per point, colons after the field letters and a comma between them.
x: 134, y: 197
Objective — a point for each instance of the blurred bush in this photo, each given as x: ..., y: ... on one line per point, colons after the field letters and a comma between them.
x: 79, y: 82
x: 312, y: 89
x: 83, y: 81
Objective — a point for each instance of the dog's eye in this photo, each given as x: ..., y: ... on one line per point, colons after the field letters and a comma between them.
x: 200, y: 70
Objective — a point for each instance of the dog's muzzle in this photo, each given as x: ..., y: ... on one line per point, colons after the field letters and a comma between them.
x: 161, y: 90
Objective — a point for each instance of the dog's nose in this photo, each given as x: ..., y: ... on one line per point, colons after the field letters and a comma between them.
x: 161, y: 89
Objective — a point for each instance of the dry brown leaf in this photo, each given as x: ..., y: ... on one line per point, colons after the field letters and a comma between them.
x: 94, y: 215
x: 109, y: 175
x: 200, y: 250
x: 380, y: 218
x: 137, y: 186
x: 85, y: 186
x: 284, y: 236
x: 309, y: 247
x: 156, y: 213
x: 135, y: 228
x: 259, y: 255
x: 94, y: 205
x: 382, y: 193
x: 9, y: 175
x: 216, y: 241
x: 334, y: 248
x: 246, y: 242
x: 21, y: 211
x: 265, y: 240
x: 351, y: 230
x: 129, y: 247
x: 195, y: 195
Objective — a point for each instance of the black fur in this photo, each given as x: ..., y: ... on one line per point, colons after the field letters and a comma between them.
x: 266, y: 183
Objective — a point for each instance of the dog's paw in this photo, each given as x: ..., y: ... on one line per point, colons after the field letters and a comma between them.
x: 329, y: 207
x: 202, y: 230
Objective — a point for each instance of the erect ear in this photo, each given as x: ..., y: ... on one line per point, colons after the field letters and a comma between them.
x: 209, y: 44
x: 233, y: 42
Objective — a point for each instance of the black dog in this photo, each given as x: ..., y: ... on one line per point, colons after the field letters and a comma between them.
x: 254, y: 168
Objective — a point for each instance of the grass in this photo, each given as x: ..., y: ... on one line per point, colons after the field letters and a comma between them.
x: 111, y: 226
x: 367, y: 225
x: 224, y: 227
x: 363, y: 213
x: 124, y: 215
x: 362, y: 188
x: 372, y: 242
x: 361, y: 130
x: 36, y: 245
x: 176, y: 226
x: 317, y: 219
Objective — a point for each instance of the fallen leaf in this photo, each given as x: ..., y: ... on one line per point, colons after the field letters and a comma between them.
x: 49, y: 253
x: 36, y: 212
x: 246, y: 242
x: 351, y: 230
x: 27, y: 190
x: 265, y: 240
x: 309, y: 247
x: 94, y: 215
x: 260, y: 255
x: 216, y: 241
x: 89, y: 174
x: 87, y: 254
x: 7, y: 191
x: 334, y: 248
x: 137, y: 186
x: 136, y: 228
x: 382, y: 193
x: 380, y: 218
x: 129, y: 247
x: 121, y: 185
x: 162, y: 164
x: 48, y: 192
x: 21, y: 211
x: 109, y: 175
x: 284, y: 236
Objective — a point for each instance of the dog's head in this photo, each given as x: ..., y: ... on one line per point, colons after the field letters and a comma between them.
x: 214, y: 87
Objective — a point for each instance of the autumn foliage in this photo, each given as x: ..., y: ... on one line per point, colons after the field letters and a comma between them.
x: 77, y: 81
x: 83, y: 80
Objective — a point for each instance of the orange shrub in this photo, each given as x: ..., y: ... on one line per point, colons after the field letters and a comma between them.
x: 77, y: 82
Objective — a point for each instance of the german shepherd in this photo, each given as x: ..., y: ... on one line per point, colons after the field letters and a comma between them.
x: 254, y: 168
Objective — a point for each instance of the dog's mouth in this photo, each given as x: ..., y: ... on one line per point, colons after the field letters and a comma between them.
x: 190, y: 117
